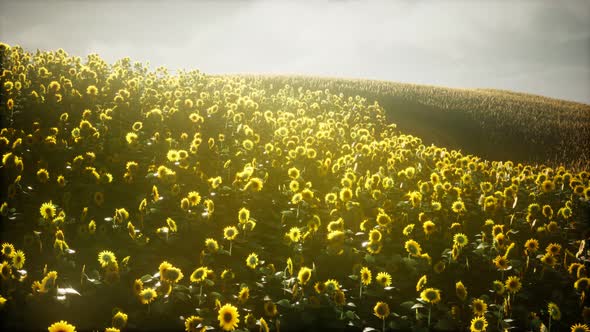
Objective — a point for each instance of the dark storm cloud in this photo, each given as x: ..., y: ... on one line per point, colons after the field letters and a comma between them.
x: 540, y: 47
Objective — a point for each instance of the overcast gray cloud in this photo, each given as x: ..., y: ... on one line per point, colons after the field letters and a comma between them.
x: 536, y: 46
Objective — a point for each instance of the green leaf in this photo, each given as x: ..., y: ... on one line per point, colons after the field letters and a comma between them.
x: 284, y: 303
x: 351, y: 315
x: 146, y: 278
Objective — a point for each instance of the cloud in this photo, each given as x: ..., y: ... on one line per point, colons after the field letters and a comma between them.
x: 533, y: 46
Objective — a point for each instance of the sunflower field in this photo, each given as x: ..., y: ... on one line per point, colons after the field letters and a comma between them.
x: 138, y: 200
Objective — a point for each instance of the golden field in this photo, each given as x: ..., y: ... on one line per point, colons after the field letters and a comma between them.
x: 139, y: 200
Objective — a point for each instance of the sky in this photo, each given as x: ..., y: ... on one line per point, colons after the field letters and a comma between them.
x: 534, y: 46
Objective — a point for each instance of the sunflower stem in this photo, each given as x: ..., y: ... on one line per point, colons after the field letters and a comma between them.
x: 383, y: 327
x: 429, y: 311
x: 549, y: 327
x: 230, y: 247
x: 361, y: 290
x: 201, y: 293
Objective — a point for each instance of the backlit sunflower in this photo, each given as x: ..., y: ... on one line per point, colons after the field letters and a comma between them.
x: 194, y: 198
x: 413, y: 248
x: 304, y: 275
x: 479, y: 307
x: 531, y: 246
x: 199, y: 275
x: 381, y: 310
x: 554, y: 311
x: 147, y: 295
x: 513, y: 284
x: 230, y: 233
x: 421, y: 283
x: 428, y: 227
x: 430, y: 295
x: 211, y: 245
x: 191, y: 324
x: 460, y: 290
x: 479, y: 324
x: 18, y: 259
x: 228, y: 317
x: 270, y: 309
x: 460, y: 239
x: 62, y: 326
x: 384, y: 279
x: 47, y: 210
x: 252, y: 260
x: 580, y: 328
x: 366, y: 276
x: 244, y: 295
x: 8, y: 250
x: 106, y: 258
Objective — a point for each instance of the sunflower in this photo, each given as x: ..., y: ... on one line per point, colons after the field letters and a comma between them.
x: 191, y: 324
x: 458, y: 207
x: 531, y: 246
x: 381, y: 310
x: 8, y: 250
x: 498, y: 287
x: 580, y: 328
x: 339, y: 297
x: 230, y: 233
x: 479, y: 324
x: 119, y: 320
x: 147, y: 295
x: 211, y: 245
x: 243, y: 215
x: 270, y: 309
x: 228, y: 317
x: 548, y: 260
x: 62, y: 326
x: 384, y: 279
x: 428, y: 227
x: 294, y: 234
x: 199, y: 275
x: 263, y: 325
x: 98, y: 198
x: 460, y: 290
x: 421, y: 283
x: 254, y: 184
x: 106, y: 258
x: 244, y: 294
x: 553, y: 249
x: 366, y: 276
x: 331, y: 285
x: 345, y: 194
x: 413, y: 248
x: 430, y: 295
x: 252, y: 260
x: 137, y: 286
x: 547, y: 186
x: 5, y: 270
x: 501, y: 262
x: 554, y: 311
x: 513, y: 284
x: 383, y: 219
x: 582, y: 284
x: 304, y: 275
x: 47, y: 210
x: 18, y: 260
x: 460, y: 239
x: 194, y: 198
x: 479, y: 307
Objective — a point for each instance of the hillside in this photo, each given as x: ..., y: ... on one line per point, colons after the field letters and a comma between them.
x: 495, y: 124
x: 139, y: 200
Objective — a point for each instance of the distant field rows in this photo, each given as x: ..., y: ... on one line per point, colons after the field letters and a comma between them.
x: 495, y: 124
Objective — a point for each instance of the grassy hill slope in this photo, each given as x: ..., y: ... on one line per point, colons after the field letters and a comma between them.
x: 494, y: 124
